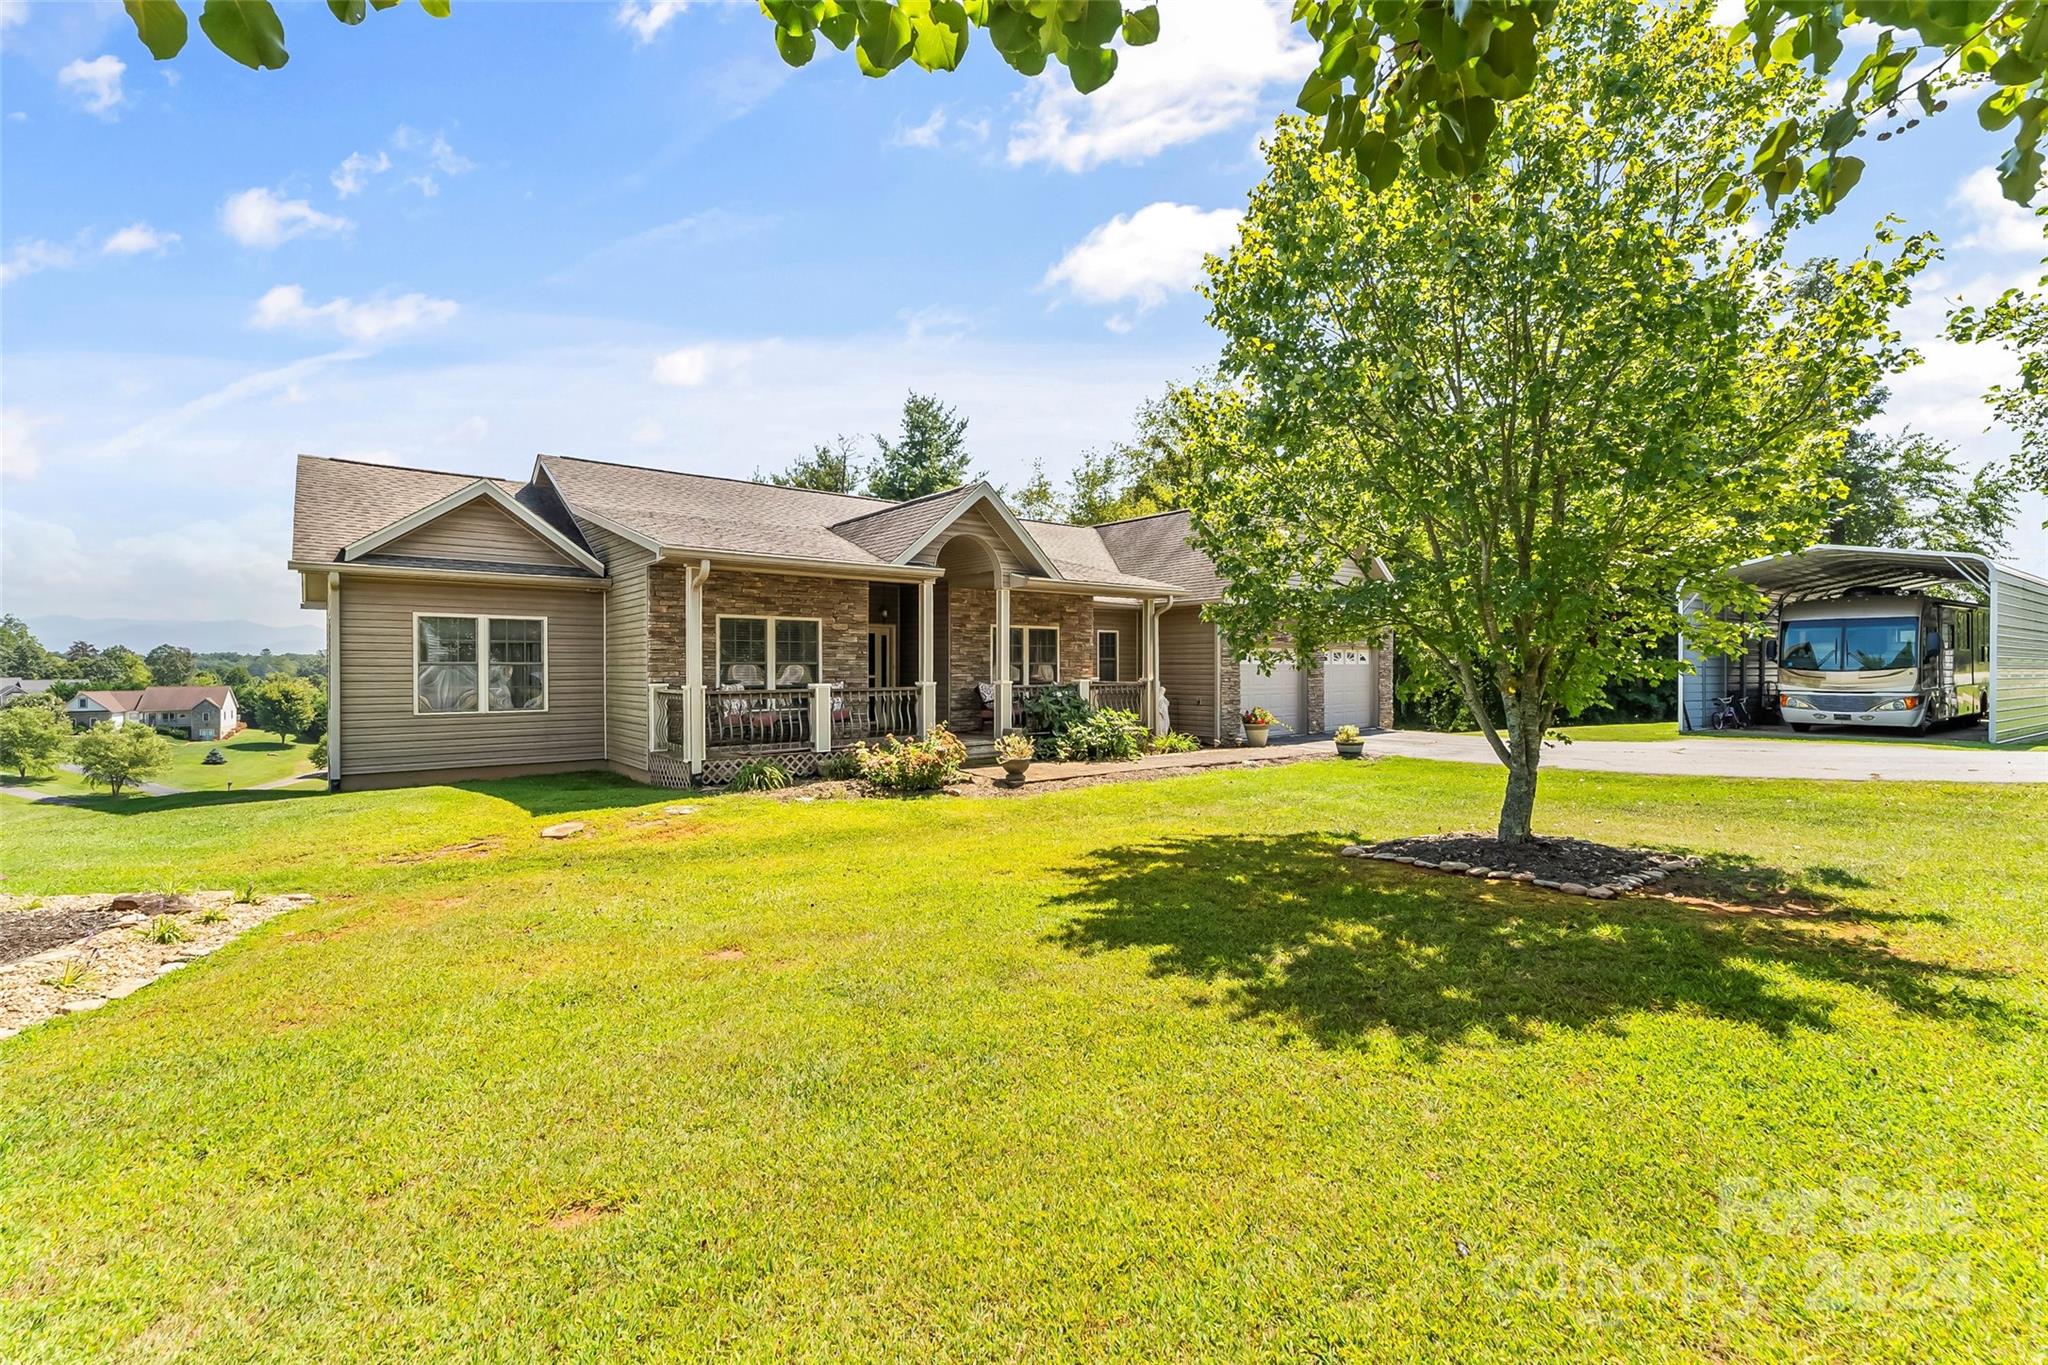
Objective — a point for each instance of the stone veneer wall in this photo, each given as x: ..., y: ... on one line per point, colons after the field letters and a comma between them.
x: 971, y: 615
x: 1386, y: 676
x: 840, y: 605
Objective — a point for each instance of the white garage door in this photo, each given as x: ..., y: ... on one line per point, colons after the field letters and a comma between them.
x: 1280, y: 692
x: 1350, y: 689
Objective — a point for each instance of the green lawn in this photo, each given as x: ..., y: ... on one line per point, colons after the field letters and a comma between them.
x: 1967, y: 737
x: 1140, y: 1071
x: 252, y: 759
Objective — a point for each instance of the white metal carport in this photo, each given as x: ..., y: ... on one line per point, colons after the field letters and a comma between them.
x: 2019, y: 623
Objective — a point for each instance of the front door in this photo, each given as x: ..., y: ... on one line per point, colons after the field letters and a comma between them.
x: 881, y: 656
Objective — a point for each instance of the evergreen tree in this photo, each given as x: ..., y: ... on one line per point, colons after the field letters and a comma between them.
x: 930, y: 454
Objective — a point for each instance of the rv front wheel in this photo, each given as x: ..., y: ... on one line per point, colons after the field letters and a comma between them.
x: 1797, y: 728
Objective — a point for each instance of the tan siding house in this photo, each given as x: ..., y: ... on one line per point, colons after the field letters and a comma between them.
x: 671, y: 626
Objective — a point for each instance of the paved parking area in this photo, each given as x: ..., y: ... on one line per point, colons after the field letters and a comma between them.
x: 1833, y: 760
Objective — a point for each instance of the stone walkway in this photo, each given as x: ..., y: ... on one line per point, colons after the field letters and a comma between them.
x: 1825, y: 760
x: 1046, y: 775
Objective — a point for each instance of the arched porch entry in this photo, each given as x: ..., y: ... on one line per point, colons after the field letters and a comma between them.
x: 973, y: 612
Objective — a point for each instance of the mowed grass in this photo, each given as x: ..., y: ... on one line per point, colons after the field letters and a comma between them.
x: 1946, y: 737
x: 1140, y: 1071
x: 252, y: 759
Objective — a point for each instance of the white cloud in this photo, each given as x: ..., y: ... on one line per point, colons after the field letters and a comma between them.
x: 355, y: 171
x: 1144, y: 258
x: 21, y: 453
x: 1209, y: 71
x: 684, y: 369
x: 925, y: 134
x: 933, y: 323
x: 31, y: 256
x: 235, y: 564
x: 369, y: 321
x: 13, y: 12
x: 137, y: 239
x: 260, y: 218
x: 96, y: 84
x: 418, y: 157
x: 1997, y: 224
x: 646, y: 18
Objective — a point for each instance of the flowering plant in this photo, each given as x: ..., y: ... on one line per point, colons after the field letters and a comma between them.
x: 1259, y: 715
x: 1015, y: 744
x: 1348, y: 734
x: 916, y: 765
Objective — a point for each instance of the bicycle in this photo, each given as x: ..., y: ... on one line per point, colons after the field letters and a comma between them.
x: 1729, y: 713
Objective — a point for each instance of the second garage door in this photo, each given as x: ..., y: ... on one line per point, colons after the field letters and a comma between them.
x: 1350, y: 689
x: 1280, y: 692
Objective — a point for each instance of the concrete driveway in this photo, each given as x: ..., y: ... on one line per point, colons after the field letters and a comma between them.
x: 1834, y: 760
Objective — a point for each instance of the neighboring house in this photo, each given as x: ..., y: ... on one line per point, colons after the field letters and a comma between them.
x: 13, y: 690
x: 669, y: 625
x: 208, y: 712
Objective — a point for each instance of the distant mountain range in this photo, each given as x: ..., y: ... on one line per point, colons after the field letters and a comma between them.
x: 201, y: 637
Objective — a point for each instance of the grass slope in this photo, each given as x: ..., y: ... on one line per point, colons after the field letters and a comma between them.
x: 251, y: 761
x: 1138, y: 1070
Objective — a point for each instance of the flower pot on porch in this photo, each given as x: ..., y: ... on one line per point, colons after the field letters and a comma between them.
x: 1255, y: 735
x: 1016, y: 767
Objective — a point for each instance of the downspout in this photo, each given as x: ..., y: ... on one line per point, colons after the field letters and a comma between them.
x: 333, y: 681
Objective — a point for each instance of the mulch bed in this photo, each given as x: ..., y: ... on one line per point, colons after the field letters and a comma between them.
x: 1576, y: 867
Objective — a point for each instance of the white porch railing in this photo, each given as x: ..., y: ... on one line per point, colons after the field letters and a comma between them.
x: 1118, y: 696
x: 860, y: 713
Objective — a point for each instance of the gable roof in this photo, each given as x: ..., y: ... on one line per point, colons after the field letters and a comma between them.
x: 475, y: 490
x: 126, y: 700
x: 338, y: 502
x: 348, y: 511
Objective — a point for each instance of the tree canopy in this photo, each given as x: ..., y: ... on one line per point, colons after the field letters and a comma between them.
x: 2018, y: 321
x: 834, y: 468
x: 1547, y: 395
x: 170, y: 665
x: 120, y: 756
x: 928, y: 454
x: 32, y: 738
x: 1403, y: 80
x: 1909, y: 492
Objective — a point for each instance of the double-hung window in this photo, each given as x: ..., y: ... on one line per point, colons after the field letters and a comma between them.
x: 1034, y: 654
x: 479, y: 663
x: 769, y: 651
x: 1108, y: 649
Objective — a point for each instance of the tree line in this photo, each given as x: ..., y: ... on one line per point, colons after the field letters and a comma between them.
x: 118, y: 668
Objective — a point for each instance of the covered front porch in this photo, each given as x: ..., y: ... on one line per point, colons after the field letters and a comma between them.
x: 752, y: 662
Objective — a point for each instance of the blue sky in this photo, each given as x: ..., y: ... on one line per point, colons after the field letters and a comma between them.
x: 629, y: 232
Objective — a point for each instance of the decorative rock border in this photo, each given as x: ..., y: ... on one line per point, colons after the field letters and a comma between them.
x: 1660, y: 866
x: 104, y: 936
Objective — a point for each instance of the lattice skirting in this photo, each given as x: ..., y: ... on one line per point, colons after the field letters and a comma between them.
x: 665, y: 770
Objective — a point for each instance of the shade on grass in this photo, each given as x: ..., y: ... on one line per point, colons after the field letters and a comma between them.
x: 1139, y: 1070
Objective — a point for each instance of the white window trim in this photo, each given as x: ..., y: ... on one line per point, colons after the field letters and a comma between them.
x: 1118, y: 635
x: 483, y: 665
x: 1003, y: 666
x: 773, y: 668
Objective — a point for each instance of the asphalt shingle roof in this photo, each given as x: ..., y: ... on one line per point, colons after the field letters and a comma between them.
x: 340, y: 501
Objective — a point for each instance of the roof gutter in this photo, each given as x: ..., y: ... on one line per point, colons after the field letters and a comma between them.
x: 353, y: 569
x: 807, y: 568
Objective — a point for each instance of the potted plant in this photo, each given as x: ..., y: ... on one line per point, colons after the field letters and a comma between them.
x: 1350, y: 744
x: 1014, y: 751
x: 1258, y: 723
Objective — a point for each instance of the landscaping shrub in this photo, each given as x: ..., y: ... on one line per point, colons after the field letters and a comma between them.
x: 840, y: 766
x: 1055, y: 710
x: 1174, y: 742
x: 916, y: 765
x: 758, y: 775
x: 1104, y: 734
x: 214, y: 757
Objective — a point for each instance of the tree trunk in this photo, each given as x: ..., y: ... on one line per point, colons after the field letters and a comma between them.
x: 1526, y: 722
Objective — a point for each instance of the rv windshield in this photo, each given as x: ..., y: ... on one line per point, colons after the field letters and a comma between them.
x: 1856, y: 646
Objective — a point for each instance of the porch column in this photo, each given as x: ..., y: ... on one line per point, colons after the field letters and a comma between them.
x: 1155, y: 714
x: 927, y: 672
x: 1000, y: 662
x: 693, y: 664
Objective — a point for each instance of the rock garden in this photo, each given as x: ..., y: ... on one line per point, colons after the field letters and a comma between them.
x: 68, y: 954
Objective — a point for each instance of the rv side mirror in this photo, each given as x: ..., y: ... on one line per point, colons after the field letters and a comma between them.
x: 1770, y: 651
